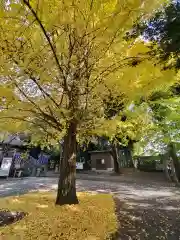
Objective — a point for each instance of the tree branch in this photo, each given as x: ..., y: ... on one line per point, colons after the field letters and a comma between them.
x: 46, y: 116
x: 26, y: 2
x: 29, y: 121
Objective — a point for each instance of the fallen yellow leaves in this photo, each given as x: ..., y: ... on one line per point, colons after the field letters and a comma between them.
x: 94, y: 218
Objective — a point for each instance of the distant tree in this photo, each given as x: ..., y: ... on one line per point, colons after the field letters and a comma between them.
x: 162, y: 29
x: 163, y: 135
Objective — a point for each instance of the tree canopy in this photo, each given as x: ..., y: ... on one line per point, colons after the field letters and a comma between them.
x: 163, y: 28
x: 58, y: 62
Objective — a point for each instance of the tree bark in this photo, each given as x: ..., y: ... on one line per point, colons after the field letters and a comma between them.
x: 130, y: 148
x: 168, y: 168
x: 175, y: 162
x: 66, y: 193
x: 115, y: 157
x: 172, y: 165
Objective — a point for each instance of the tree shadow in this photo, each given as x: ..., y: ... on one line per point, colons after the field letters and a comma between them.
x: 148, y: 219
x: 145, y: 210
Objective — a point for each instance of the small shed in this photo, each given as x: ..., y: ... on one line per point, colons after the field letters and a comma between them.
x: 101, y: 160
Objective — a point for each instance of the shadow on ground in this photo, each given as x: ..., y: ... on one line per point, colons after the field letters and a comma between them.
x: 148, y: 219
x: 145, y: 211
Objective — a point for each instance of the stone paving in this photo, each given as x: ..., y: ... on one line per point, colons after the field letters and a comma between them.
x: 146, y: 210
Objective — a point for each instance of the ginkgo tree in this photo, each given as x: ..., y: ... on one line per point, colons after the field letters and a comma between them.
x: 58, y: 59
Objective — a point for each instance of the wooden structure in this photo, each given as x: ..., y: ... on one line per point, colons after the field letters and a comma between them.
x: 101, y: 160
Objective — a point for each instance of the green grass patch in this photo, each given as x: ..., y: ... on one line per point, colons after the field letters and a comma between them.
x: 93, y: 219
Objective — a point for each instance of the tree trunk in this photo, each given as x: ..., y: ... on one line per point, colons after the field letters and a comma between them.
x: 175, y: 162
x: 115, y: 157
x: 66, y: 193
x: 168, y: 168
x: 130, y: 150
x: 172, y: 165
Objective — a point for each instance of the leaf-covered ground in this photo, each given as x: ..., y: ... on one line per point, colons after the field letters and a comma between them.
x: 94, y: 218
x: 148, y: 206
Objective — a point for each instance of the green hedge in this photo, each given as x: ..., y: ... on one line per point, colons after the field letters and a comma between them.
x: 150, y: 163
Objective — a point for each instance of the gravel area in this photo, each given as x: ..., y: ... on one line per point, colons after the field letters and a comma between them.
x: 146, y: 210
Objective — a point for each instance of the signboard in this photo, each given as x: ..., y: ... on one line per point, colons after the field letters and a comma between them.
x: 5, y: 167
x: 79, y: 165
